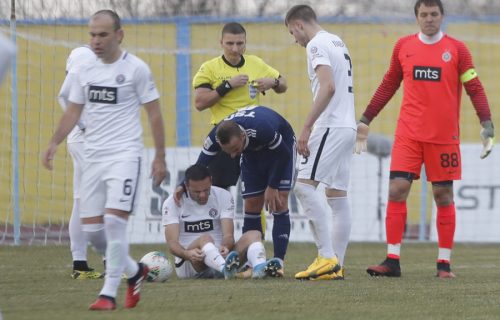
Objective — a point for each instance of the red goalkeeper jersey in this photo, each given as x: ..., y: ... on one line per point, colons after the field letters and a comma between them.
x: 430, y: 110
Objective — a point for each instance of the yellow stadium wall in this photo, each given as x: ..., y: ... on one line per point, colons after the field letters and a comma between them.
x: 42, y: 51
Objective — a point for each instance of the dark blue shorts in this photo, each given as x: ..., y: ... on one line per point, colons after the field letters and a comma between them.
x: 256, y: 170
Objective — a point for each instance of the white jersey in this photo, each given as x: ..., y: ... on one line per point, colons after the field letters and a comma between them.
x: 328, y: 49
x: 7, y: 52
x: 112, y: 94
x: 195, y: 219
x: 78, y: 58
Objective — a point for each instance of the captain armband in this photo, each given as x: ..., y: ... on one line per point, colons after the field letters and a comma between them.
x: 468, y: 75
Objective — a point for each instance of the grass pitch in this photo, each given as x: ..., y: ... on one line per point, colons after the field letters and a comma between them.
x: 35, y: 284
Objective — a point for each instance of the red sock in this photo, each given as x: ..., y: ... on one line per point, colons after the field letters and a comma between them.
x: 395, y: 221
x: 445, y: 224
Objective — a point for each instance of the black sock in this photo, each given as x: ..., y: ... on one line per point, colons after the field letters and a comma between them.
x: 81, y: 265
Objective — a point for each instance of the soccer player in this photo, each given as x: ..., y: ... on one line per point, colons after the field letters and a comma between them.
x: 265, y: 143
x: 227, y: 83
x: 433, y: 67
x: 78, y: 241
x: 200, y: 233
x: 326, y: 142
x: 7, y: 51
x: 111, y: 90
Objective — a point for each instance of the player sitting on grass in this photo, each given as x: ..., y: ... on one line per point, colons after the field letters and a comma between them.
x: 200, y: 232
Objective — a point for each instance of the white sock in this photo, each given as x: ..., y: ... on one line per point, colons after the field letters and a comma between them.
x: 77, y: 237
x: 311, y: 201
x: 341, y: 225
x: 97, y: 237
x: 444, y: 254
x: 256, y: 254
x: 116, y: 253
x: 213, y: 259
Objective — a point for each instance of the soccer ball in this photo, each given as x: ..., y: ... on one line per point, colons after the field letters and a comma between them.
x: 160, y: 268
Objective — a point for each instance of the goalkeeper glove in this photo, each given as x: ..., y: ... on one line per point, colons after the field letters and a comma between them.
x: 361, y: 136
x: 487, y: 137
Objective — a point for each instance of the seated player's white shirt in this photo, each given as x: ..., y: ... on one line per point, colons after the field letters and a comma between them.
x: 78, y: 58
x: 7, y: 52
x: 195, y: 220
x: 112, y: 95
x: 328, y: 49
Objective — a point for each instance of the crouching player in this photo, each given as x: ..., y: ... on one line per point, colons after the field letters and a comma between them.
x: 200, y: 232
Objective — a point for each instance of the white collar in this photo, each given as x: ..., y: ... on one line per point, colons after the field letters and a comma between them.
x: 431, y: 40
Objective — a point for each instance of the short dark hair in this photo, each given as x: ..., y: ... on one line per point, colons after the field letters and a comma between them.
x: 300, y: 12
x: 233, y: 28
x: 428, y: 3
x: 226, y: 130
x: 116, y: 18
x: 196, y: 172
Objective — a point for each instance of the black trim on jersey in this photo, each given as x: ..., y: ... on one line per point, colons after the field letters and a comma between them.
x: 204, y: 85
x: 136, y: 185
x: 318, y: 155
x: 125, y: 55
x: 239, y: 65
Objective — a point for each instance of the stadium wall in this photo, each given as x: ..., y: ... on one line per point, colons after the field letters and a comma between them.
x: 46, y: 198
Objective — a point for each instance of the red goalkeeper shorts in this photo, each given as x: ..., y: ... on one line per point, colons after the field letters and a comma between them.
x: 442, y: 161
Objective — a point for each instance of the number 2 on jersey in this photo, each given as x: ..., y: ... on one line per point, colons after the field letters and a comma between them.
x: 349, y: 72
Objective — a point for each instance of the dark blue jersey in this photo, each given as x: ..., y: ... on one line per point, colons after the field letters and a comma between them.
x: 266, y: 131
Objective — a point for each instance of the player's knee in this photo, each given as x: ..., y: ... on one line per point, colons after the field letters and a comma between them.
x: 443, y: 193
x: 253, y: 236
x: 399, y: 188
x: 204, y: 239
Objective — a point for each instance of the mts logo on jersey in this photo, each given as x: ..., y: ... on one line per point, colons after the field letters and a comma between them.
x: 103, y: 94
x: 426, y: 73
x: 198, y: 226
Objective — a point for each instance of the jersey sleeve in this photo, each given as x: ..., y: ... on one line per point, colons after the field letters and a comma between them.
x: 170, y: 211
x: 226, y: 204
x: 317, y: 54
x: 209, y: 150
x: 63, y: 95
x: 390, y: 84
x: 203, y: 78
x: 472, y: 84
x: 76, y: 90
x: 144, y: 84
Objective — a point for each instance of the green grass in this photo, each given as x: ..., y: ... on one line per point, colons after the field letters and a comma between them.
x: 35, y: 284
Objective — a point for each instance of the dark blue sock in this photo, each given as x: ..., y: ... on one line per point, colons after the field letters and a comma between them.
x: 251, y: 221
x: 281, y: 233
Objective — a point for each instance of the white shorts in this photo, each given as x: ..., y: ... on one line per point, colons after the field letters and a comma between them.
x: 111, y: 185
x: 185, y: 270
x: 75, y: 149
x: 330, y: 157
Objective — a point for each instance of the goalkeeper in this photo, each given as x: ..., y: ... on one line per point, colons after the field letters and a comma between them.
x: 433, y: 67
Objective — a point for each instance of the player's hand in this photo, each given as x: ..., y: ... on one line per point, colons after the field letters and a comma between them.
x: 48, y: 156
x: 361, y: 137
x: 263, y: 84
x: 272, y: 199
x: 302, y: 147
x: 223, y: 250
x: 238, y: 81
x: 159, y: 170
x: 195, y: 255
x: 487, y: 137
x: 178, y: 192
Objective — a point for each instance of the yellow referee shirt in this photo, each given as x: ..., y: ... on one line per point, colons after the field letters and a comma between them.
x: 213, y: 72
